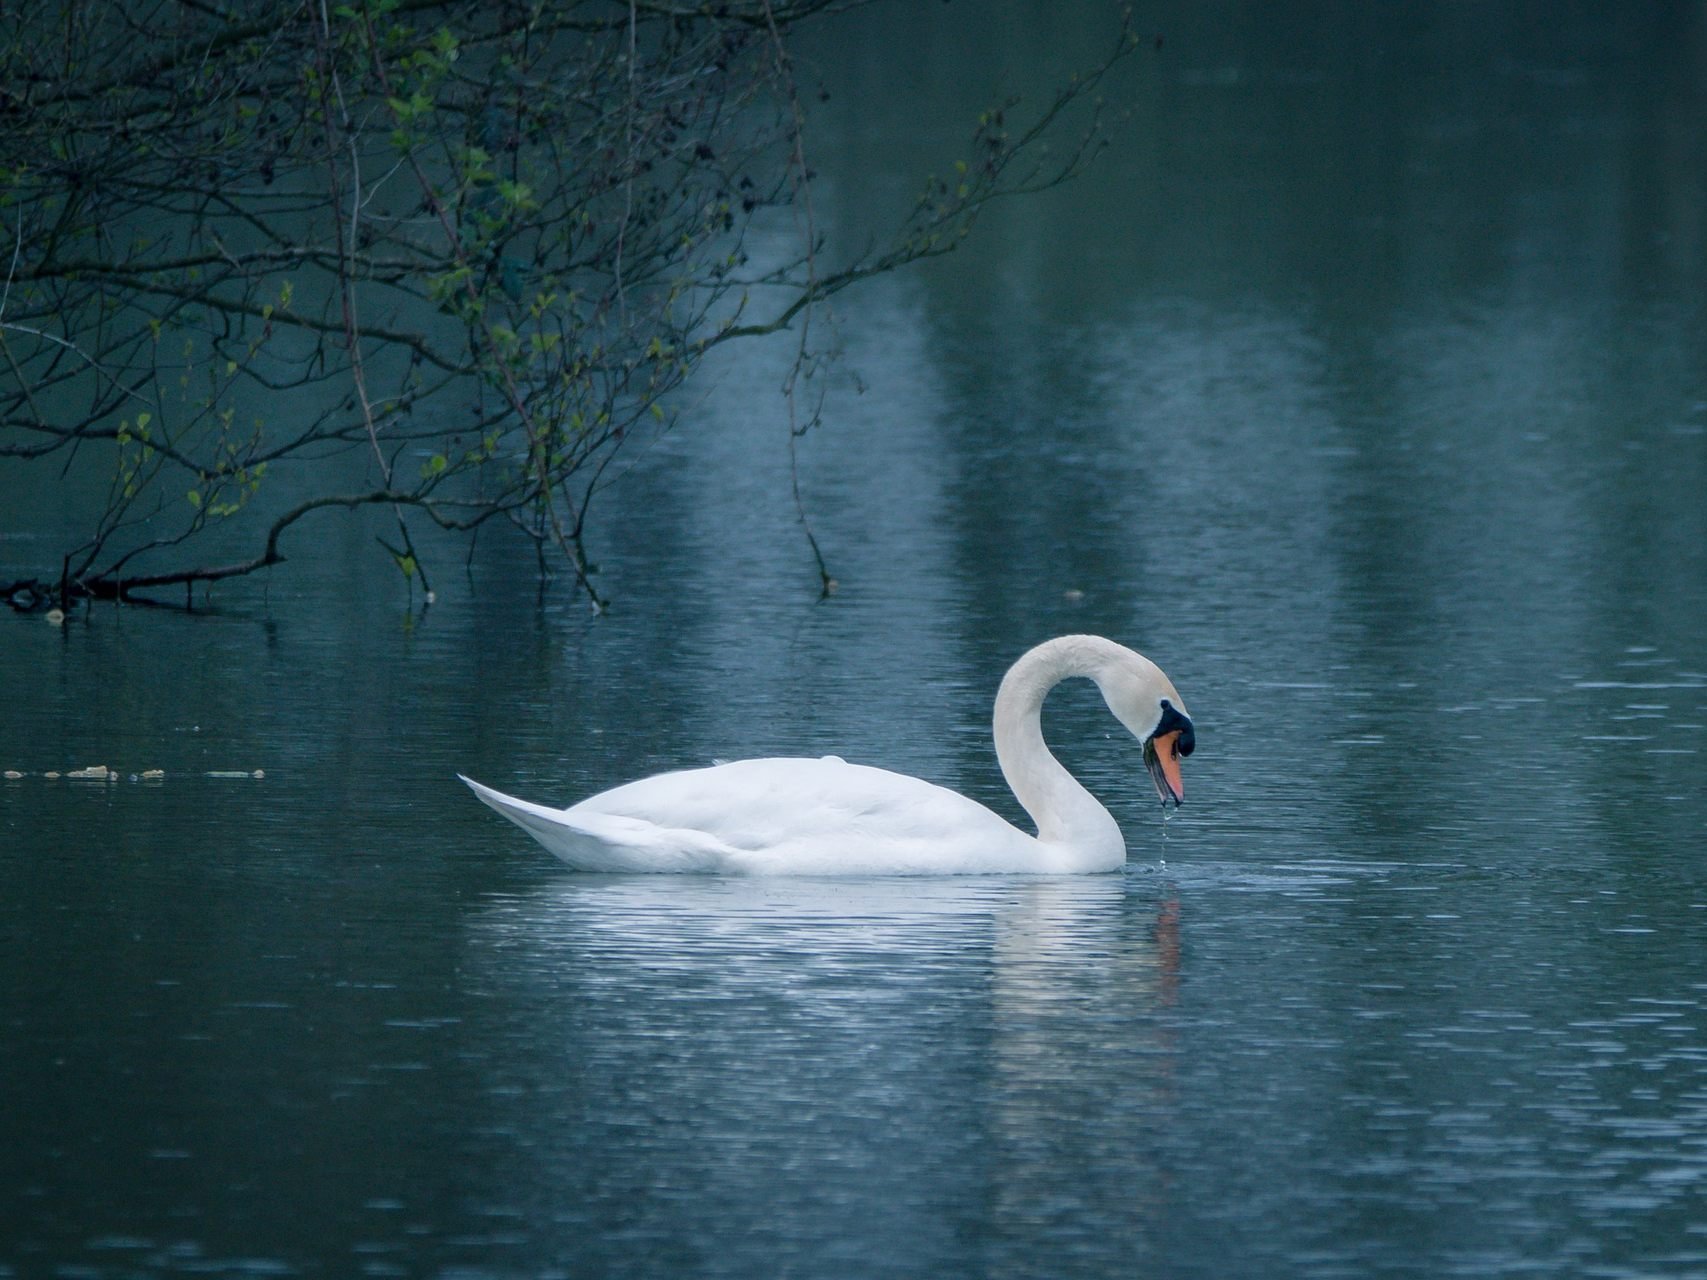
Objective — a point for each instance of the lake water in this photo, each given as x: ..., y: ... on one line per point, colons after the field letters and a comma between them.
x: 1363, y: 385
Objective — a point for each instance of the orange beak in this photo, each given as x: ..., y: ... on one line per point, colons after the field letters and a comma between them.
x: 1161, y: 757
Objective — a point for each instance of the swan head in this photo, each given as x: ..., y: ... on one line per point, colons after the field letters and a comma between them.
x: 1146, y: 702
x: 1169, y: 742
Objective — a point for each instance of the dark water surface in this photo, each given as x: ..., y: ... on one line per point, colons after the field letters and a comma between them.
x: 1363, y: 385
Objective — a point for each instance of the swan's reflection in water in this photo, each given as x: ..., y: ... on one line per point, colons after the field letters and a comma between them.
x: 1082, y: 1067
x: 888, y: 1075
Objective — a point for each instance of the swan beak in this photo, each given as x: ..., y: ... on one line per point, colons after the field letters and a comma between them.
x: 1162, y: 756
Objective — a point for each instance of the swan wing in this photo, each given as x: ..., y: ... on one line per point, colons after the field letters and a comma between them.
x: 777, y: 816
x: 785, y: 815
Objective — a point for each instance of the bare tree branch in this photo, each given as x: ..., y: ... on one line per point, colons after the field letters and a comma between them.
x: 445, y: 256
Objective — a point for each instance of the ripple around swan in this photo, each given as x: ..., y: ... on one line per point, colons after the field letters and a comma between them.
x: 686, y: 922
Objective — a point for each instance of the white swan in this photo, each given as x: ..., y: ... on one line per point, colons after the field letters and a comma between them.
x: 829, y: 817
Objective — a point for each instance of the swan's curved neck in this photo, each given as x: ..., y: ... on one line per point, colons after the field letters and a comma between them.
x: 1065, y: 813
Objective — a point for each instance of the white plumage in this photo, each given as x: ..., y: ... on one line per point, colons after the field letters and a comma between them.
x: 799, y: 816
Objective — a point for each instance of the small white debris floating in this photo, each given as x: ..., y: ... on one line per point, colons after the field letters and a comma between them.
x: 101, y: 773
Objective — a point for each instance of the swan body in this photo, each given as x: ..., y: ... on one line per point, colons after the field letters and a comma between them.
x: 801, y: 816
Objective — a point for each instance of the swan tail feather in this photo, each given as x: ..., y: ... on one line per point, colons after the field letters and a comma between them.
x: 597, y: 842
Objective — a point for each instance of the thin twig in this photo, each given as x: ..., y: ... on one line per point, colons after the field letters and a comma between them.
x: 801, y: 364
